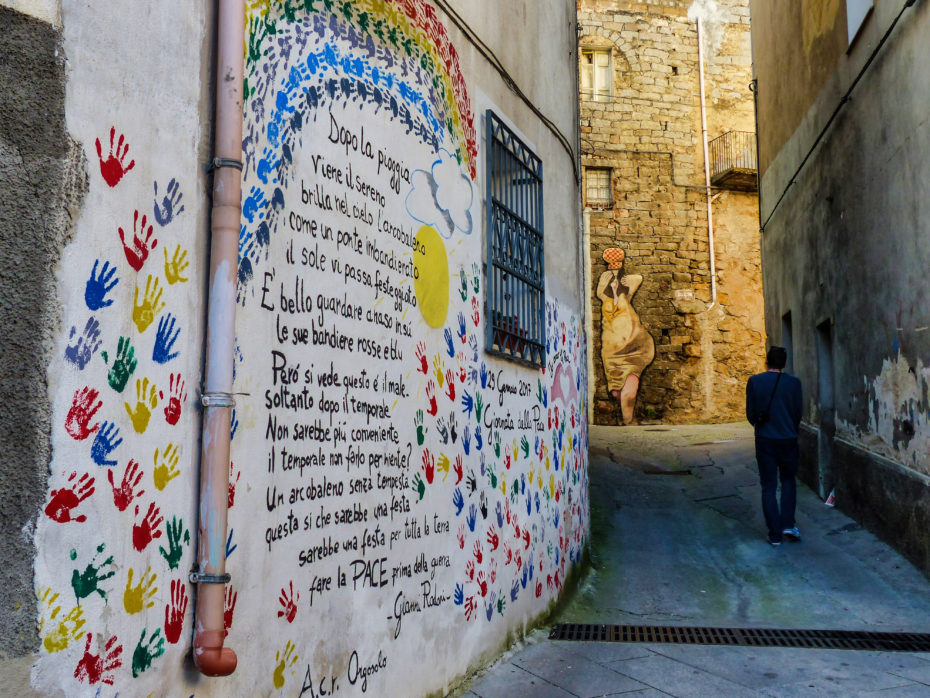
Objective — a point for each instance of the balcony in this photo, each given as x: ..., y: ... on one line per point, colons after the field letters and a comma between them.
x: 733, y: 161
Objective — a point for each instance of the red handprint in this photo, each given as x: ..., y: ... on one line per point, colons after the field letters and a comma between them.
x: 475, y: 315
x: 526, y: 539
x: 458, y: 467
x: 470, y: 570
x: 470, y: 606
x: 549, y: 582
x: 538, y: 589
x: 492, y: 538
x: 555, y: 414
x: 479, y: 552
x: 62, y: 501
x: 558, y: 492
x: 573, y: 416
x: 558, y: 582
x: 96, y: 668
x: 431, y: 396
x: 113, y: 168
x: 507, y: 509
x: 507, y: 459
x: 518, y: 561
x: 139, y: 252
x: 421, y: 355
x: 229, y: 608
x: 231, y: 499
x: 429, y: 465
x: 147, y: 529
x: 463, y: 374
x: 124, y: 494
x: 461, y: 537
x: 482, y: 584
x: 508, y: 554
x: 176, y: 395
x: 289, y: 603
x: 175, y: 611
x: 493, y: 571
x: 82, y: 411
x: 450, y: 384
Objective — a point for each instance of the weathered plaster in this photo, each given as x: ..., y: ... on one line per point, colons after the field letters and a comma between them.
x: 42, y: 175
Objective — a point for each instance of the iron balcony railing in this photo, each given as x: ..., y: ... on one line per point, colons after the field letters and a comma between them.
x: 733, y: 160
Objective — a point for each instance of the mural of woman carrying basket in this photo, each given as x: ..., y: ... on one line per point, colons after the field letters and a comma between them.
x: 626, y: 347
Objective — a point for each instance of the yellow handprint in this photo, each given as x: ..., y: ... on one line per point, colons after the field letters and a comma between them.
x: 143, y: 314
x: 66, y: 630
x: 438, y: 370
x: 516, y: 451
x: 283, y: 662
x: 142, y: 412
x: 503, y: 487
x: 137, y: 598
x: 167, y: 468
x: 443, y: 465
x: 176, y: 266
x: 552, y: 485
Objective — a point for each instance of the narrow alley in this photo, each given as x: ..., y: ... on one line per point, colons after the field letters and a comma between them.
x: 678, y: 539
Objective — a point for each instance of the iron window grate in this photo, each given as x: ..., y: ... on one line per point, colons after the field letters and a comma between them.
x: 744, y: 637
x: 516, y: 313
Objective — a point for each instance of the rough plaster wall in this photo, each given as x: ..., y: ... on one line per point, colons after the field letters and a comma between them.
x: 650, y: 135
x: 42, y: 178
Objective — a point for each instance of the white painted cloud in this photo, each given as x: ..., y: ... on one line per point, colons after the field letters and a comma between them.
x: 442, y: 197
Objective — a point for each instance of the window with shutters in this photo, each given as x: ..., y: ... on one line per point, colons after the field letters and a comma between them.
x: 596, y: 75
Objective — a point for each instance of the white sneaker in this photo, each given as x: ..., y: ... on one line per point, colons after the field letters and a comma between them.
x: 792, y: 535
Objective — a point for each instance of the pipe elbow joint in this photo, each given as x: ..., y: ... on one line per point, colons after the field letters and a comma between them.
x: 210, y: 657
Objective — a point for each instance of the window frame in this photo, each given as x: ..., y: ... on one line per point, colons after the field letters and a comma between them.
x: 608, y: 186
x: 597, y: 92
x: 515, y: 261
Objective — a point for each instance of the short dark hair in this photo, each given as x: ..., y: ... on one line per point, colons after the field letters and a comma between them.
x: 776, y: 358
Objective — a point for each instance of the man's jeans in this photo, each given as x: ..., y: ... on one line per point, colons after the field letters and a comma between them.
x: 778, y: 460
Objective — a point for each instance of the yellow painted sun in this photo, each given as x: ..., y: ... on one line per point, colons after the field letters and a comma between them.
x: 431, y: 276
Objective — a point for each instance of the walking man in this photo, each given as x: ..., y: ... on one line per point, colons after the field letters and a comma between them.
x: 773, y: 407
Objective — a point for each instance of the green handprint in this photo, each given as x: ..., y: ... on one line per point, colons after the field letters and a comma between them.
x: 501, y: 603
x: 539, y: 393
x: 525, y: 446
x: 421, y: 431
x: 87, y: 582
x: 476, y: 277
x: 176, y: 531
x: 514, y: 491
x: 419, y: 486
x: 479, y: 408
x: 124, y: 364
x: 464, y: 281
x: 497, y: 444
x: 492, y: 477
x: 146, y: 652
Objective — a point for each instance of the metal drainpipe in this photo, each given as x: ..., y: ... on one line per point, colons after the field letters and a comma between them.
x: 710, y: 217
x: 211, y: 658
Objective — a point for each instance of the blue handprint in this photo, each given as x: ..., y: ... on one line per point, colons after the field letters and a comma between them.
x: 466, y: 440
x: 484, y: 375
x: 523, y: 578
x: 500, y: 515
x: 105, y: 442
x: 458, y: 500
x: 537, y: 502
x: 87, y: 344
x: 450, y: 346
x: 472, y: 517
x: 478, y: 442
x: 557, y: 557
x: 489, y: 607
x: 165, y: 338
x: 99, y: 286
x: 515, y: 590
x: 169, y: 208
x: 458, y: 597
x: 462, y: 329
x: 532, y: 565
x: 555, y: 522
x: 468, y: 404
x: 266, y: 165
x: 529, y: 504
x: 253, y: 202
x: 555, y: 460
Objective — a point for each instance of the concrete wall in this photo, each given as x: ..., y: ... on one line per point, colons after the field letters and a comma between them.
x: 649, y: 133
x: 845, y: 251
x: 399, y: 498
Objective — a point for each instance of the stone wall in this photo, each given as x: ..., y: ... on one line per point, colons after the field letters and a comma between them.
x: 649, y: 134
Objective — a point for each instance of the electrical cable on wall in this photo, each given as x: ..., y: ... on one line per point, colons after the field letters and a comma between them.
x: 508, y: 79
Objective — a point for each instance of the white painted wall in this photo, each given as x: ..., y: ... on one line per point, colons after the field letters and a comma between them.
x: 401, y: 502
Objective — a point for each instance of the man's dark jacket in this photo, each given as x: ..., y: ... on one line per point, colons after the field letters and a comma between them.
x: 785, y: 412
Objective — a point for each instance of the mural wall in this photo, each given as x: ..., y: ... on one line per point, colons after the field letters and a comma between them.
x: 398, y: 498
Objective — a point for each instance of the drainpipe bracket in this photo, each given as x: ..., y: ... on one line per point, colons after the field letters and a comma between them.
x: 218, y: 399
x: 217, y: 163
x: 198, y: 578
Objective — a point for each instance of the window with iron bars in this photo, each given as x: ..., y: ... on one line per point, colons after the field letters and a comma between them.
x: 598, y: 189
x: 516, y: 293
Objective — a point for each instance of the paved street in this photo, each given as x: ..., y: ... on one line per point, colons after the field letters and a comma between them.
x: 678, y: 539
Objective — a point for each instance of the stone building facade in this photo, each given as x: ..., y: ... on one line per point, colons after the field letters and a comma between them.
x: 641, y: 135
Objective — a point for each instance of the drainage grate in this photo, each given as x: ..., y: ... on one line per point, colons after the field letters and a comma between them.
x: 752, y: 637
